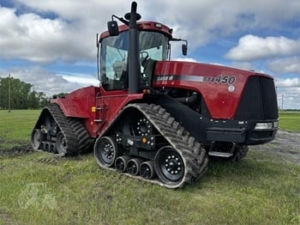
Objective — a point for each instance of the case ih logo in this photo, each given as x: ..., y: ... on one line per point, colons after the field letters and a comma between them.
x: 163, y: 78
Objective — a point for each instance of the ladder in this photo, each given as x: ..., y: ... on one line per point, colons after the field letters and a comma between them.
x: 101, y: 109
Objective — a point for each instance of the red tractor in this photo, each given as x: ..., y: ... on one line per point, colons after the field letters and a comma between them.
x: 156, y: 119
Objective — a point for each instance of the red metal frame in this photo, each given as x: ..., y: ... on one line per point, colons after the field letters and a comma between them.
x: 221, y: 87
x: 83, y: 103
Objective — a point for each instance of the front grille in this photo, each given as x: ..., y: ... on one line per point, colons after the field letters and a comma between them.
x: 258, y: 101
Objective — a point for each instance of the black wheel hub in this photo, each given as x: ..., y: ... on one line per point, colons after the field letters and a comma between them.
x: 143, y: 127
x: 106, y: 151
x: 169, y: 165
x: 173, y: 164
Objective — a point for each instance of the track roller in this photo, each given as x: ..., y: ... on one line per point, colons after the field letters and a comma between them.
x: 147, y: 170
x: 133, y: 166
x: 43, y: 145
x: 121, y: 163
x: 47, y: 146
x: 52, y: 147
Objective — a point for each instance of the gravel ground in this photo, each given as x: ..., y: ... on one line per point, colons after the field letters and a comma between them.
x: 286, y: 146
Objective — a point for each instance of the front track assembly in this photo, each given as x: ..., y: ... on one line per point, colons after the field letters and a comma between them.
x: 181, y: 160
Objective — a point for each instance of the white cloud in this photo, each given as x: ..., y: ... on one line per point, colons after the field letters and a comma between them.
x: 81, y: 79
x: 288, y: 82
x: 251, y: 47
x: 288, y: 92
x: 243, y: 65
x: 288, y: 97
x: 202, y: 21
x: 31, y: 37
x: 71, y: 35
x: 285, y: 65
x: 186, y: 59
x: 43, y: 80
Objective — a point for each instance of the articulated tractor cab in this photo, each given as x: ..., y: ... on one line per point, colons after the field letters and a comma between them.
x: 156, y: 119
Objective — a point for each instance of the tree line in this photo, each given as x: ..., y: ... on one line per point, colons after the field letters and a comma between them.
x: 16, y: 94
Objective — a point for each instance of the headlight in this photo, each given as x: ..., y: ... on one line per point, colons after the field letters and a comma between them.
x: 263, y: 126
x: 275, y: 124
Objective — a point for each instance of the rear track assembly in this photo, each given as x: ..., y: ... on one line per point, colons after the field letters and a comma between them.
x: 70, y: 137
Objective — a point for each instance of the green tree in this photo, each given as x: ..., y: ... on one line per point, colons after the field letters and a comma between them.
x: 21, y: 95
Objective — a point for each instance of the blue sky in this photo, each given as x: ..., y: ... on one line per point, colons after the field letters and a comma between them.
x: 51, y: 44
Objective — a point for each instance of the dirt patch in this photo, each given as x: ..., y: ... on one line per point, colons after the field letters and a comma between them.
x: 286, y: 146
x: 18, y: 148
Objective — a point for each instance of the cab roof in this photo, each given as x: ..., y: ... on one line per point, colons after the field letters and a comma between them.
x: 145, y: 26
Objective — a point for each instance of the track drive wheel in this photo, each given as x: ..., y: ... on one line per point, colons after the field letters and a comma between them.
x: 37, y: 138
x: 106, y: 151
x: 169, y: 165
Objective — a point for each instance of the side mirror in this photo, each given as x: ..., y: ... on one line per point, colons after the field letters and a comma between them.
x: 113, y: 28
x: 184, y: 49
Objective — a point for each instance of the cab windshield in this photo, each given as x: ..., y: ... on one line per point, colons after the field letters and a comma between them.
x: 114, y: 56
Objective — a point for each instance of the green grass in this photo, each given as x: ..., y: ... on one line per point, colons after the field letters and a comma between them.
x: 289, y: 121
x: 17, y: 124
x: 39, y: 188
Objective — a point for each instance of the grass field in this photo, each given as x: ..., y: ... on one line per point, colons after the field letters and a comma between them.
x: 290, y: 121
x: 39, y: 188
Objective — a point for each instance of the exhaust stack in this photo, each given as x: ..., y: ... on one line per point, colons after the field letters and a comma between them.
x: 133, y: 51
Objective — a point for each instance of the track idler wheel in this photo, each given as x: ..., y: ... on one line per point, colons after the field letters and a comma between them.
x: 133, y: 166
x: 121, y: 163
x: 106, y: 151
x: 169, y: 165
x: 61, y: 144
x: 147, y: 170
x: 37, y: 138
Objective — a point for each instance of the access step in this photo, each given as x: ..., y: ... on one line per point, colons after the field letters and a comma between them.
x: 220, y: 154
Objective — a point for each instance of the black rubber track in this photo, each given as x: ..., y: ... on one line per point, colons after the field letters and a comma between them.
x: 81, y: 133
x: 194, y: 156
x: 77, y: 138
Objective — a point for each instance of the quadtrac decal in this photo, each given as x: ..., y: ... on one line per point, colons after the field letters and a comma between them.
x: 221, y: 79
